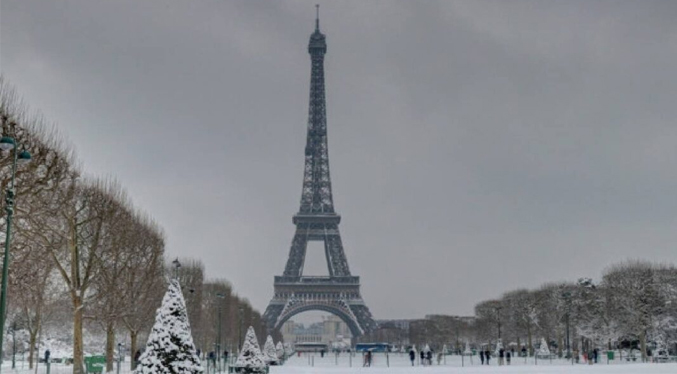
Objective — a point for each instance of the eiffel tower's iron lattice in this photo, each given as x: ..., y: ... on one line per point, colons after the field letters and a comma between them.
x: 338, y: 293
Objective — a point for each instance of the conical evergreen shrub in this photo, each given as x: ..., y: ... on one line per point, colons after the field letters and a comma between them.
x: 269, y: 353
x: 279, y: 349
x: 170, y: 348
x: 251, y: 360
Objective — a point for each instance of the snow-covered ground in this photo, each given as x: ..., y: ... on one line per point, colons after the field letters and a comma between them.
x: 314, y: 364
x: 399, y: 364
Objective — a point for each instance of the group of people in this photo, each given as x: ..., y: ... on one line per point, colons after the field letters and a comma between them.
x: 588, y: 357
x: 503, y: 356
x: 211, y: 357
x: 426, y: 357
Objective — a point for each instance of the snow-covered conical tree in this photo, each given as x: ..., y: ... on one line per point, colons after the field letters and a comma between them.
x: 288, y: 351
x: 279, y: 349
x: 467, y: 350
x: 170, y: 348
x: 543, y: 350
x: 269, y: 353
x: 251, y: 360
x: 499, y: 346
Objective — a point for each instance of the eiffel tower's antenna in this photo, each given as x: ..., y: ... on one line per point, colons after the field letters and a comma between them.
x: 317, y: 17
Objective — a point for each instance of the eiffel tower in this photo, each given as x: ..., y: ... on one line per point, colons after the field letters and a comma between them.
x: 338, y: 293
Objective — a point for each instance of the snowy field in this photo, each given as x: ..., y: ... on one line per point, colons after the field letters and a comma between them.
x: 400, y: 365
x: 314, y: 364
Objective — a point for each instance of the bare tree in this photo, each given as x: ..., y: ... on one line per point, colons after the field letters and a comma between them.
x: 636, y: 299
x: 85, y: 215
x: 144, y: 280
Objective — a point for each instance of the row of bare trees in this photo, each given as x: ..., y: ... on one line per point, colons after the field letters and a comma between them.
x: 76, y: 237
x: 207, y: 300
x: 634, y: 303
x: 83, y: 255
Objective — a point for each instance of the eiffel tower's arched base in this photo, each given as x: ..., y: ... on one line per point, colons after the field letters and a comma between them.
x: 336, y: 296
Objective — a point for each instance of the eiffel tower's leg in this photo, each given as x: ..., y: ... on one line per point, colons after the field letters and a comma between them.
x: 338, y: 264
x: 363, y: 315
x: 271, y: 315
x: 297, y: 253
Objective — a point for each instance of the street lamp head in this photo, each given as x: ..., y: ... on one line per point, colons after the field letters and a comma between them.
x: 24, y: 157
x: 7, y: 143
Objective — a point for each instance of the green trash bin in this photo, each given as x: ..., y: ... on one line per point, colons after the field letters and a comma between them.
x: 610, y: 355
x: 95, y: 364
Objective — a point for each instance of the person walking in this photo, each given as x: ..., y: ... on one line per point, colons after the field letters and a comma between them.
x: 137, y: 358
x: 595, y: 354
x: 524, y: 351
x: 501, y: 355
x: 429, y: 357
x: 507, y: 357
x: 481, y: 357
x: 367, y: 359
x: 487, y: 355
x: 412, y: 356
x: 422, y: 358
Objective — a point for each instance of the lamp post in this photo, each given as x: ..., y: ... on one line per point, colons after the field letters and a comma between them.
x: 239, y: 342
x: 567, y: 298
x: 8, y: 144
x: 177, y: 265
x: 218, y: 335
x: 498, y: 317
x: 120, y: 346
x: 14, y: 345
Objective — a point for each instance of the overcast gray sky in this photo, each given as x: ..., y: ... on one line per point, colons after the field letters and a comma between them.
x: 475, y: 146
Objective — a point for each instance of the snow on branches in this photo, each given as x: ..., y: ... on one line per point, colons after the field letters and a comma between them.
x: 170, y: 348
x: 251, y: 360
x: 269, y: 352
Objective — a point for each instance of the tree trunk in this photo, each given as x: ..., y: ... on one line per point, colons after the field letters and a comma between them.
x: 133, y: 335
x: 32, y: 340
x: 531, y: 347
x: 642, y: 344
x: 110, y: 346
x: 559, y: 344
x: 78, y: 354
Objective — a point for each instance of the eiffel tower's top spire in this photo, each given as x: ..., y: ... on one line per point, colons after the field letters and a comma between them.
x: 317, y: 45
x: 317, y: 17
x: 316, y: 197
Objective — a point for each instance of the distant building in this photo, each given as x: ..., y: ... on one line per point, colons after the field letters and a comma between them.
x: 331, y: 331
